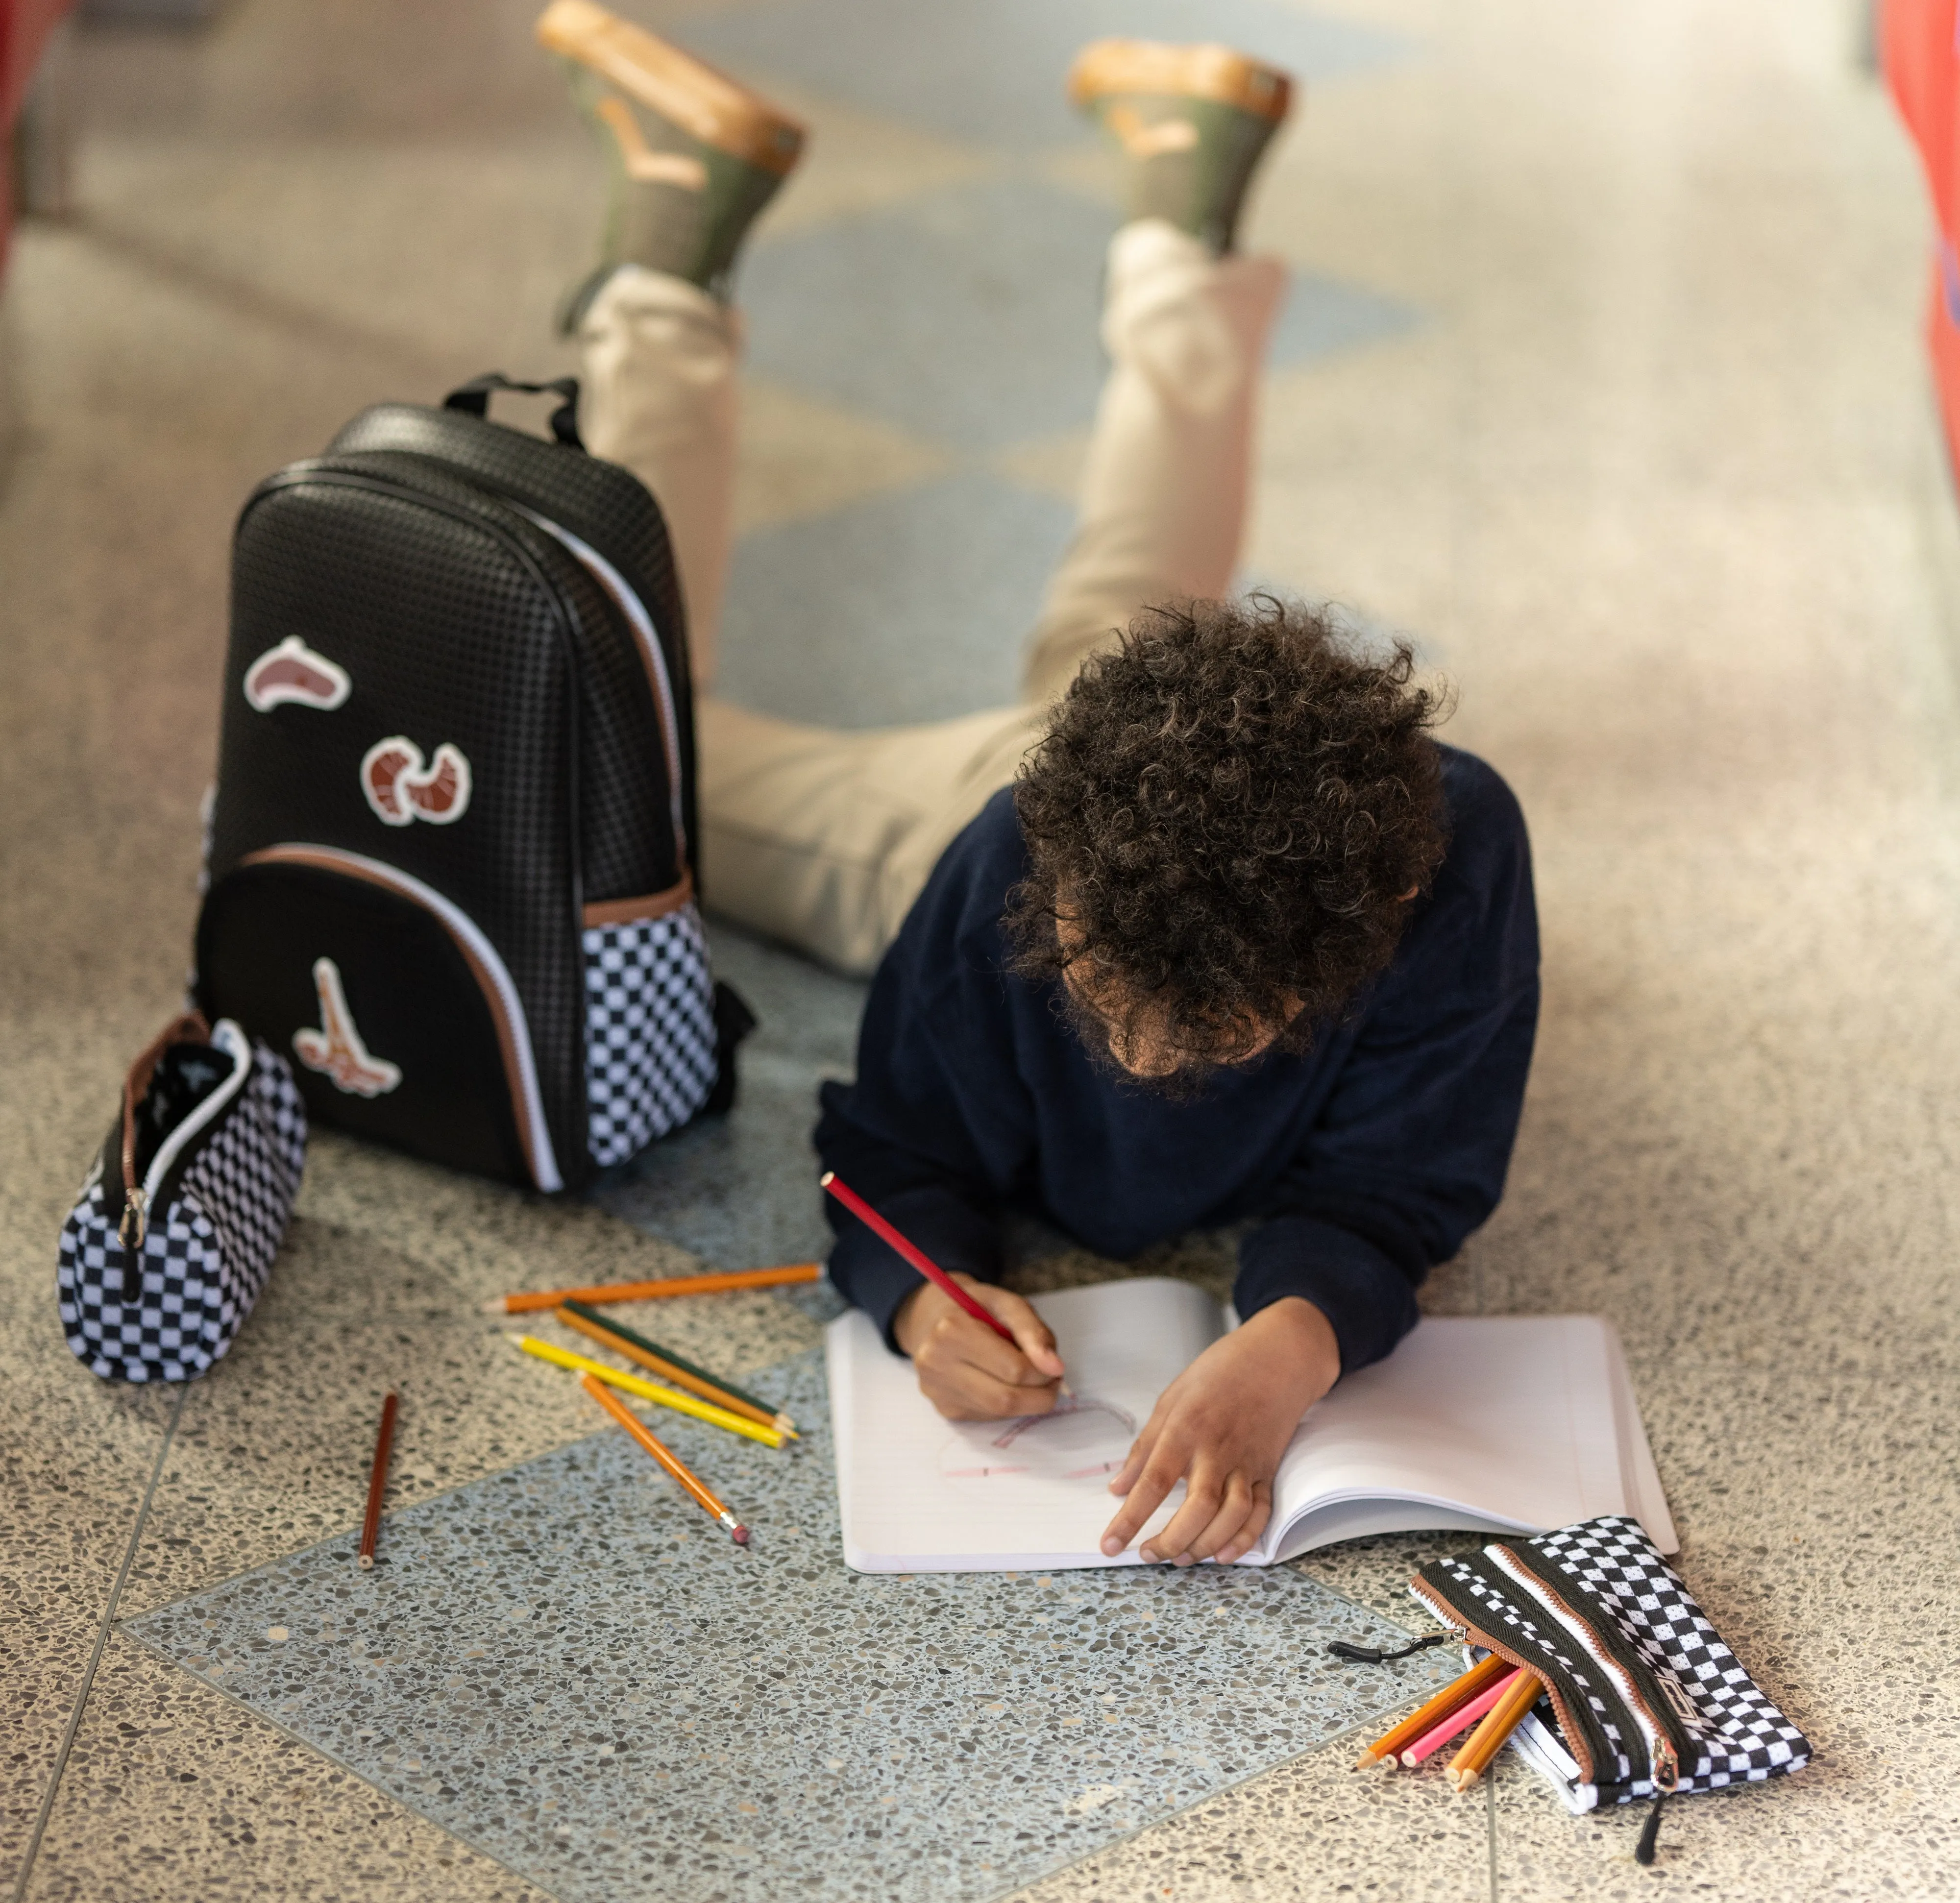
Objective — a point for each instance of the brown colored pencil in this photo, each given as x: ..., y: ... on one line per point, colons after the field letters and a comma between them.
x: 1488, y: 1739
x: 665, y: 1456
x: 534, y: 1299
x: 377, y: 1480
x: 624, y: 1341
x: 1386, y: 1749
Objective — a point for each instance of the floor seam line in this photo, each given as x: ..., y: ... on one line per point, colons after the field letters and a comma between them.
x: 88, y: 1684
x: 1490, y: 1832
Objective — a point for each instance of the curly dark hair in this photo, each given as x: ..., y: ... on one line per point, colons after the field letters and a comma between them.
x: 1226, y: 818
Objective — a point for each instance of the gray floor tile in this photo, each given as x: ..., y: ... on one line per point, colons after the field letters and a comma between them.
x: 173, y: 1790
x: 653, y: 1706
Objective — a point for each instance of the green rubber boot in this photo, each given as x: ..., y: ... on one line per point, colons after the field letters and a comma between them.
x: 693, y: 156
x: 1193, y: 122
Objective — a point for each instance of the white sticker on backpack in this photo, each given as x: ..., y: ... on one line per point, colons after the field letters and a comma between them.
x: 402, y: 789
x: 335, y: 1050
x: 293, y: 674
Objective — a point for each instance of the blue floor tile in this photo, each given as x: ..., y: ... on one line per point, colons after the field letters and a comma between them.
x: 569, y: 1667
x: 970, y: 316
x: 907, y: 607
x: 991, y: 71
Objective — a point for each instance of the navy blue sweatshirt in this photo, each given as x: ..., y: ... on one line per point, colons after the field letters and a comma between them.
x: 1360, y: 1165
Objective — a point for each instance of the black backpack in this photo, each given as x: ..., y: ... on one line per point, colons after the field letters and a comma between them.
x: 448, y: 858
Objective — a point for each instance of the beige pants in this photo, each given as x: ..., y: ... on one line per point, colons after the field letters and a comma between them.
x: 824, y: 837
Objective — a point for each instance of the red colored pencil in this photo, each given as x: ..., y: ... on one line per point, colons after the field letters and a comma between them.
x: 377, y: 1481
x: 919, y: 1259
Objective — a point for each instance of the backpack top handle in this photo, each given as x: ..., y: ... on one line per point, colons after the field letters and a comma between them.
x: 473, y: 399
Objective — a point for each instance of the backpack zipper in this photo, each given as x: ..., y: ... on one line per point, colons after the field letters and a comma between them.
x: 615, y: 586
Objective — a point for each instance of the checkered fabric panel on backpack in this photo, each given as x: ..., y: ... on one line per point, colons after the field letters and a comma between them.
x: 1745, y: 1737
x: 1503, y: 1617
x: 209, y: 1248
x: 649, y: 1060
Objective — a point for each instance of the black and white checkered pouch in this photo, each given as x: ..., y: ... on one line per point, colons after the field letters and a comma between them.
x: 1644, y: 1698
x: 172, y: 1235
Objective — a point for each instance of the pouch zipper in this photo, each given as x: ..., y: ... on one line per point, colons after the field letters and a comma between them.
x: 141, y: 1198
x: 1670, y: 1746
x: 1583, y: 1737
x: 134, y: 1215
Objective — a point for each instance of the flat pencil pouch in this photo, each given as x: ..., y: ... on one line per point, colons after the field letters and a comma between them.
x: 1646, y: 1701
x: 173, y: 1235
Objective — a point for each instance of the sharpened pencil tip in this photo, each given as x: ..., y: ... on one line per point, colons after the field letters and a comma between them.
x: 494, y: 1306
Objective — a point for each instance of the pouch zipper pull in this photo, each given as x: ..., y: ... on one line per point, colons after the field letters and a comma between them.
x: 1643, y: 1851
x: 136, y: 1222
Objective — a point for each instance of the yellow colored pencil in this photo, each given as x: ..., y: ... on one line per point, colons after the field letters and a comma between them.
x: 650, y: 1391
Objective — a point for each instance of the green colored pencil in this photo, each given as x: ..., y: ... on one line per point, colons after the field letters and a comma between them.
x: 586, y: 1312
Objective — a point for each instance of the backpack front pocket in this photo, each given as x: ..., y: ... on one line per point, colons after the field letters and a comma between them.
x: 401, y: 1021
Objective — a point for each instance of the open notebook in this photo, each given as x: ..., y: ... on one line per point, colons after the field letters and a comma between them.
x: 1512, y: 1425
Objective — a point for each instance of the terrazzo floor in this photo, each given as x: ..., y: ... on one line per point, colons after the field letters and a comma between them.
x: 1601, y: 377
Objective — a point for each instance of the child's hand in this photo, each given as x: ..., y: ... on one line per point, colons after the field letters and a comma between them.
x: 965, y: 1369
x: 1221, y: 1428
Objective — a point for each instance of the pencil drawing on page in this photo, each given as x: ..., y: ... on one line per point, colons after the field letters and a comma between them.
x: 1081, y: 1438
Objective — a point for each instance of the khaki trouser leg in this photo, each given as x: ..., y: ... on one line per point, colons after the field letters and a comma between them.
x: 660, y: 370
x: 823, y: 837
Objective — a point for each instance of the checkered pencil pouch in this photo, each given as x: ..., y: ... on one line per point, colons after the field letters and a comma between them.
x: 1645, y: 1700
x: 174, y: 1232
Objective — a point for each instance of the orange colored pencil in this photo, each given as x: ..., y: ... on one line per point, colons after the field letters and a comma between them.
x: 674, y: 1376
x: 1488, y: 1739
x: 1386, y: 1748
x: 660, y: 1452
x: 534, y: 1299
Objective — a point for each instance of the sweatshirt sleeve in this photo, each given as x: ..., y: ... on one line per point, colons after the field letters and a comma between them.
x: 1409, y: 1152
x: 936, y: 1126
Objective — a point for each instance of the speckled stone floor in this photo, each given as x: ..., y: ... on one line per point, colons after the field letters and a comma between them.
x: 1603, y: 380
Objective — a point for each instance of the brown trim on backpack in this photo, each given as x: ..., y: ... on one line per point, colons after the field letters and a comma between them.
x: 629, y: 911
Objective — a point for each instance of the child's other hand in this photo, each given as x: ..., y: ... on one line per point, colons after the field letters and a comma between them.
x: 1221, y: 1428
x: 965, y: 1369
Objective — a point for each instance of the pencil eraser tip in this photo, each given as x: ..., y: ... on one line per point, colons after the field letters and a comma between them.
x: 740, y: 1536
x: 494, y: 1306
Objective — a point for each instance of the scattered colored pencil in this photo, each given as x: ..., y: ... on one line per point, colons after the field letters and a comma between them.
x: 529, y: 1302
x: 1458, y: 1722
x: 919, y: 1259
x: 377, y: 1480
x: 668, y: 1459
x: 1488, y: 1739
x: 672, y: 1397
x: 1387, y: 1748
x: 670, y: 1366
